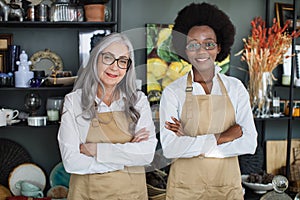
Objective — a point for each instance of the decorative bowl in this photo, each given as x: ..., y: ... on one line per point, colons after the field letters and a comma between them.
x: 63, y: 81
x: 257, y: 187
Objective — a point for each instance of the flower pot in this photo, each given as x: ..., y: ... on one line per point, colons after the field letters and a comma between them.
x: 94, y: 12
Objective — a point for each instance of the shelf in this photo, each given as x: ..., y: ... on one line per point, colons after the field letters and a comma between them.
x: 272, y: 118
x: 23, y: 125
x: 37, y: 24
x: 36, y: 89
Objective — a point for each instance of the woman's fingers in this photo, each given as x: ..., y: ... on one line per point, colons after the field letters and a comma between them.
x: 140, y: 131
x: 175, y: 127
x: 175, y: 120
x: 141, y: 135
x: 89, y: 149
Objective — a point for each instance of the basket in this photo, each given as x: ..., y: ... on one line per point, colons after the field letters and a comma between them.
x: 12, y: 154
x: 294, y: 181
x: 294, y: 186
x: 155, y: 193
x: 158, y: 197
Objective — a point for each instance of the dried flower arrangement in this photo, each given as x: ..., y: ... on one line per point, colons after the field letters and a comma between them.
x: 265, y: 48
x: 264, y: 51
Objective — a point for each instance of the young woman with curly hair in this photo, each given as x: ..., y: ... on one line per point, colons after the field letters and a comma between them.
x: 206, y: 118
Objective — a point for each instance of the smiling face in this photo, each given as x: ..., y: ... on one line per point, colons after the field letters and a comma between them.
x: 204, y: 57
x: 111, y: 75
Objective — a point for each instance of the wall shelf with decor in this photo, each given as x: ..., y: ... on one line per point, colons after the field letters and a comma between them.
x: 77, y: 25
x: 288, y: 93
x: 62, y: 38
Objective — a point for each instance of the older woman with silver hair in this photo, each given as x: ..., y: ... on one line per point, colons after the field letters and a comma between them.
x: 107, y: 135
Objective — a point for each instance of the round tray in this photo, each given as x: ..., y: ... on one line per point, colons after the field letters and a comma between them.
x: 12, y: 154
x: 28, y: 172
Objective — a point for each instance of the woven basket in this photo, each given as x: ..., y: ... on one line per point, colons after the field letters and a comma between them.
x: 294, y: 179
x: 158, y: 197
x: 155, y: 193
x: 294, y: 186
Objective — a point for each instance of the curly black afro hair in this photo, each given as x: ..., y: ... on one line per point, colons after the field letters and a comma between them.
x: 203, y: 14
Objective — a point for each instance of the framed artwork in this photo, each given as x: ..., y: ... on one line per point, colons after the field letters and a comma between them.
x: 163, y: 64
x: 5, y: 40
x: 87, y: 41
x: 285, y: 12
x: 2, y: 59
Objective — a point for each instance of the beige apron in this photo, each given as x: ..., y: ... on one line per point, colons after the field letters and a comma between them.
x: 201, y: 177
x: 127, y: 184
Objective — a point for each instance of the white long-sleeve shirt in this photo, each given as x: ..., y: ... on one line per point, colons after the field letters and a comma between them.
x: 110, y: 157
x: 173, y: 98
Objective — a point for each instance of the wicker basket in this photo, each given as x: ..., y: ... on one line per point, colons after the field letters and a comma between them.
x: 294, y: 180
x: 155, y: 193
x: 158, y: 197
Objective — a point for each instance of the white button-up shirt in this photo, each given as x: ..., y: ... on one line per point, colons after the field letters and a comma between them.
x: 171, y: 104
x: 110, y: 157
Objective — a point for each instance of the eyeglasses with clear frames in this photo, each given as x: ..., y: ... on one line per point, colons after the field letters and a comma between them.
x: 206, y: 45
x: 109, y: 59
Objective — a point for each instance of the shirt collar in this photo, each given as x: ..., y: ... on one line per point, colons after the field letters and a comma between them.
x: 122, y: 97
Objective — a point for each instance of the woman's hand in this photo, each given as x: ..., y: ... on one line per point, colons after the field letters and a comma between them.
x: 141, y: 135
x: 230, y: 134
x: 175, y: 127
x: 88, y: 149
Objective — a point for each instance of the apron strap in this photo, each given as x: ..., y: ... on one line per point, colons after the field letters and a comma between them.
x: 189, y: 97
x: 222, y: 86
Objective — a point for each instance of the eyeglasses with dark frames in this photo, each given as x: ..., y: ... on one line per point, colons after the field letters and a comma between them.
x: 109, y: 59
x: 206, y: 45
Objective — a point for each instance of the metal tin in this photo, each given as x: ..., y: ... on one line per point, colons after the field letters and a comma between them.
x: 43, y: 12
x: 80, y: 14
x: 37, y: 121
x: 30, y: 13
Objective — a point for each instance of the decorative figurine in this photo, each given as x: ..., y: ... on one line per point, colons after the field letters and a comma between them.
x: 11, y: 10
x: 23, y: 75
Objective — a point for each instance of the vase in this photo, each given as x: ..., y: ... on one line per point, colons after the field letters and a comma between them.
x: 94, y: 12
x: 260, y: 91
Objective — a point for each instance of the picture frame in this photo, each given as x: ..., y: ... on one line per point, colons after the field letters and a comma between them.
x: 284, y: 12
x: 5, y: 41
x: 163, y: 64
x: 2, y: 62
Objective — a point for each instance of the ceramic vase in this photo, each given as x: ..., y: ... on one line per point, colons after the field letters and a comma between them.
x: 94, y: 12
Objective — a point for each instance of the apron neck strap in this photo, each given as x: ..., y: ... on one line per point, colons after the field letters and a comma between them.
x: 189, y: 86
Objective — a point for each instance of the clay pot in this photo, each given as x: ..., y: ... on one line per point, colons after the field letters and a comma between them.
x: 94, y: 12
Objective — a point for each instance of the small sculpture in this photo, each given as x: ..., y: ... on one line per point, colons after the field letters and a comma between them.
x: 23, y: 75
x: 11, y: 10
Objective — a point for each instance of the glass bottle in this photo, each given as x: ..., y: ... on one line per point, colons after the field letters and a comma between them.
x: 280, y: 184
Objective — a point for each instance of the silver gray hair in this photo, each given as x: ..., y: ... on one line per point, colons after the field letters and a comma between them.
x: 88, y: 79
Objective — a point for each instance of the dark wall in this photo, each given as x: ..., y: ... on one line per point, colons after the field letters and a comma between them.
x: 241, y: 13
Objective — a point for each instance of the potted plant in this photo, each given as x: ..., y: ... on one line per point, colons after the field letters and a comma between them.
x: 94, y: 10
x: 86, y: 2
